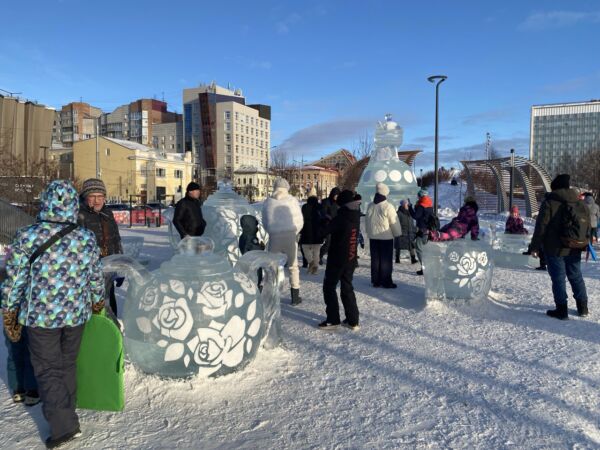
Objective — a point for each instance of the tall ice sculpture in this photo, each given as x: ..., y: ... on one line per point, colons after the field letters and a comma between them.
x: 385, y: 167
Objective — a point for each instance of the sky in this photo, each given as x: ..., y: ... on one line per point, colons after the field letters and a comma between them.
x: 329, y: 69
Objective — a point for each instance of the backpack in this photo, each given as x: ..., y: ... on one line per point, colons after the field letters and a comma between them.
x: 574, y: 225
x: 433, y: 223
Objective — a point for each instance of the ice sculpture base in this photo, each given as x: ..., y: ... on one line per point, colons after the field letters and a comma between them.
x: 456, y: 270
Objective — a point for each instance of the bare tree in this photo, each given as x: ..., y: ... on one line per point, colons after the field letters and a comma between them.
x: 363, y: 146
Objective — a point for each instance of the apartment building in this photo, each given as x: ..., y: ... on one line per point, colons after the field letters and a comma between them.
x: 223, y: 133
x: 563, y: 130
x: 323, y: 179
x: 78, y: 121
x: 128, y: 168
x: 168, y: 136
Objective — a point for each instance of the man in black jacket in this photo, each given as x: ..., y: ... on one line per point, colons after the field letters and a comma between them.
x: 341, y: 263
x: 329, y: 209
x: 188, y: 218
x: 96, y: 217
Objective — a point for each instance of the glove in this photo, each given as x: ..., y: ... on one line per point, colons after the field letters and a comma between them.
x: 98, y: 307
x: 119, y: 281
x: 12, y: 327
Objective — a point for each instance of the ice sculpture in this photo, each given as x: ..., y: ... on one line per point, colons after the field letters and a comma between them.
x: 222, y: 212
x: 460, y: 269
x: 132, y: 245
x: 509, y: 249
x: 385, y: 167
x: 195, y: 314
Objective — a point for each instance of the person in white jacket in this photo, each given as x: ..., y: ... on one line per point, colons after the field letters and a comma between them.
x: 282, y: 218
x: 382, y: 227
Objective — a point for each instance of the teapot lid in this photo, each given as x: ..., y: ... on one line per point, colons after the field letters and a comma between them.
x: 195, y: 258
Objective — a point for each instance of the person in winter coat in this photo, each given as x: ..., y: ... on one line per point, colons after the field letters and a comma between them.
x: 461, y: 225
x: 514, y: 223
x: 311, y: 233
x: 561, y: 261
x: 594, y: 215
x: 382, y: 227
x: 341, y: 263
x: 330, y: 209
x: 249, y: 238
x: 283, y: 221
x: 423, y: 215
x: 19, y: 372
x: 187, y: 218
x: 96, y: 217
x: 409, y: 231
x: 53, y: 296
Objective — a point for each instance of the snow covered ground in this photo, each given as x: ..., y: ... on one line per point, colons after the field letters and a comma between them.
x: 497, y: 374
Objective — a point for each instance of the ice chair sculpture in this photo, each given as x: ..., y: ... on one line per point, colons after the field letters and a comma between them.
x: 508, y: 250
x: 195, y: 314
x: 460, y: 269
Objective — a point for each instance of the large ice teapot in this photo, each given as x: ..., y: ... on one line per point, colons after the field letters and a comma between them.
x: 197, y: 315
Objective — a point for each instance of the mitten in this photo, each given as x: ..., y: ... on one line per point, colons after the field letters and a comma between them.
x: 98, y: 307
x: 12, y: 326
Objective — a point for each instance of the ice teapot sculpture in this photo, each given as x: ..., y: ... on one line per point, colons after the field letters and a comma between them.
x: 460, y: 269
x: 197, y: 315
x: 385, y: 167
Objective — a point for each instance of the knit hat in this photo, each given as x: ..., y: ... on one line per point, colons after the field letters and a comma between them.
x: 345, y: 197
x: 422, y: 193
x: 193, y: 186
x: 514, y: 209
x: 402, y: 202
x: 312, y: 192
x: 93, y: 186
x: 281, y: 183
x: 561, y: 181
x: 382, y: 189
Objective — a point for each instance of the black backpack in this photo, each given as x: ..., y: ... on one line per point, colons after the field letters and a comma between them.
x: 574, y: 225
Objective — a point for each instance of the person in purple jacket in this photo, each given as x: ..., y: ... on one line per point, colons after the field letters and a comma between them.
x: 465, y: 222
x: 514, y: 223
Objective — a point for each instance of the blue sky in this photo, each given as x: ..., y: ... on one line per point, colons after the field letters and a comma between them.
x: 329, y: 69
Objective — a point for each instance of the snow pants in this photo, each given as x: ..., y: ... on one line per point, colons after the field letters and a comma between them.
x: 420, y: 242
x: 54, y: 356
x: 335, y: 274
x: 286, y: 243
x: 382, y: 254
x: 18, y: 365
x: 560, y: 267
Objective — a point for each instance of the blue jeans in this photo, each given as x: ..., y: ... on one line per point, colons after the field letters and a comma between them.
x: 18, y: 365
x: 560, y: 267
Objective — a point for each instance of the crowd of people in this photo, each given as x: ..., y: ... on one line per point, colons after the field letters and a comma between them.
x: 54, y: 279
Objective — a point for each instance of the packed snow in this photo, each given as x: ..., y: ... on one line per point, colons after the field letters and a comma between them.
x: 493, y: 374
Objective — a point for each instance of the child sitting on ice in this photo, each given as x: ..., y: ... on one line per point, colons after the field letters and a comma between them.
x: 459, y: 226
x: 514, y: 223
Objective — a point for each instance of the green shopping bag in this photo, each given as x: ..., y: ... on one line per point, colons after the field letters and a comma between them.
x: 100, y: 366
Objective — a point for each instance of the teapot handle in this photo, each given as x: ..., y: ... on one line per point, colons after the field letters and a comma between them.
x: 273, y: 276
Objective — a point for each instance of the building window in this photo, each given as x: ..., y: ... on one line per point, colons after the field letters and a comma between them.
x: 108, y: 152
x: 227, y: 126
x: 161, y: 173
x: 228, y: 137
x: 228, y: 147
x: 237, y: 116
x: 227, y: 115
x: 178, y: 174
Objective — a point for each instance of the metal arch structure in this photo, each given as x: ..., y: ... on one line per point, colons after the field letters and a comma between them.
x: 488, y: 181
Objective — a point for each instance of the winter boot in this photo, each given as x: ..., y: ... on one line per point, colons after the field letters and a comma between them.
x: 413, y: 260
x: 296, y: 300
x: 18, y: 396
x: 32, y: 398
x: 561, y: 312
x: 328, y: 326
x: 420, y: 272
x: 582, y: 309
x: 59, y: 442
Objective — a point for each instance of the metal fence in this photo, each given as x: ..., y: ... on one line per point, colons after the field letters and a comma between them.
x: 11, y: 219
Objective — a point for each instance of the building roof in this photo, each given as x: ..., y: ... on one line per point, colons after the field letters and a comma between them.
x: 251, y: 169
x: 349, y: 156
x: 314, y: 167
x: 128, y: 144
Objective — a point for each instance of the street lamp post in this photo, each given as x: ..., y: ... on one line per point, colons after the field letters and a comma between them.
x: 512, y: 179
x: 437, y: 80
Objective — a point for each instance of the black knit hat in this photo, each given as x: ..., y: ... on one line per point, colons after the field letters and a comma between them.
x: 561, y: 181
x: 345, y: 197
x: 192, y: 187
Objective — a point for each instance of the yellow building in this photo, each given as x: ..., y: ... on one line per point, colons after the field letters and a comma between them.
x: 321, y: 178
x: 131, y: 169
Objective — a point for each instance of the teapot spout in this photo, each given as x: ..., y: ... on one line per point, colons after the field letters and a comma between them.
x: 125, y: 266
x: 273, y: 276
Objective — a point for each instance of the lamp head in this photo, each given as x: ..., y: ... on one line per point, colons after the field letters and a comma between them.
x: 434, y: 78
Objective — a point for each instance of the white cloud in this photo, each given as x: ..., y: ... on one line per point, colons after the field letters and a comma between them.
x: 284, y: 26
x: 544, y: 20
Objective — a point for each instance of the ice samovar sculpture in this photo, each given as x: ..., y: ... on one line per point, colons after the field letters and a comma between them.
x: 222, y: 211
x: 385, y: 167
x: 196, y: 314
